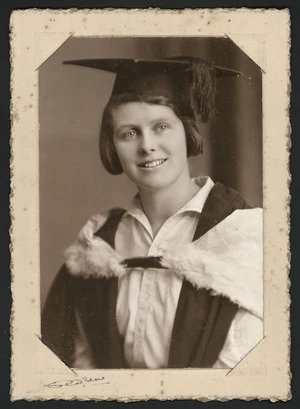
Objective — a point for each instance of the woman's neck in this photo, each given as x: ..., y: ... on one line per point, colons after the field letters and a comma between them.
x: 161, y: 204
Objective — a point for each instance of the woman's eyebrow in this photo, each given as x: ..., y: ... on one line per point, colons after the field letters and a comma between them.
x: 126, y: 126
x: 161, y: 119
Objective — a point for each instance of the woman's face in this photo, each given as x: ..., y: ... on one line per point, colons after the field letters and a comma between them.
x: 151, y: 144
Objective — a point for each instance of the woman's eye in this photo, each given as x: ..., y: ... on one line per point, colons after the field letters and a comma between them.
x: 162, y: 127
x: 129, y: 134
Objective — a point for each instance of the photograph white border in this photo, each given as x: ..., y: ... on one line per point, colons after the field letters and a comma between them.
x: 264, y: 373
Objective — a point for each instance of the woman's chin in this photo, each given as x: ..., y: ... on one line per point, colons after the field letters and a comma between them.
x: 158, y: 180
x: 155, y: 183
x: 151, y: 185
x: 151, y: 182
x: 147, y: 179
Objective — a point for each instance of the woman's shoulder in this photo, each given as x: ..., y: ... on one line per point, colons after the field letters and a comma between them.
x: 94, y: 245
x: 95, y: 222
x: 225, y: 195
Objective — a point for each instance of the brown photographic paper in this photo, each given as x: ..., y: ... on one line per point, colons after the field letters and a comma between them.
x: 58, y: 182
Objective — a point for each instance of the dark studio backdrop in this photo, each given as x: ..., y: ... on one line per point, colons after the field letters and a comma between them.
x: 73, y: 182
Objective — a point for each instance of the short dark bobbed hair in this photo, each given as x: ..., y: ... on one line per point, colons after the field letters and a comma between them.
x: 108, y: 153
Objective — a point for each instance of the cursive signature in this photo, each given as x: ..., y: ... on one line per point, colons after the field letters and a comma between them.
x: 72, y: 382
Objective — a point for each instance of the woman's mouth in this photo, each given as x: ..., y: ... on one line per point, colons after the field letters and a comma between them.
x: 152, y: 164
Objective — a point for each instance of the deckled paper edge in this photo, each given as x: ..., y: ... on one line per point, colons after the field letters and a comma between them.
x: 13, y: 226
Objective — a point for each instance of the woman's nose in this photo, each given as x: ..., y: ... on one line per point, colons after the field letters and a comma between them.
x: 147, y: 143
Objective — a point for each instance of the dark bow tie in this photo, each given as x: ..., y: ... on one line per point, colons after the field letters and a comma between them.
x: 143, y: 262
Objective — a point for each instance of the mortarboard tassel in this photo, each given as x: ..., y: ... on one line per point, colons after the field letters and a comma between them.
x: 203, y: 90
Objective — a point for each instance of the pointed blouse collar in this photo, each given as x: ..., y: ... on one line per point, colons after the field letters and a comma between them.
x: 195, y: 204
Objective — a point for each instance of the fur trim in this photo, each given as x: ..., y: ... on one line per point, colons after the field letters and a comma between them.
x: 90, y: 256
x: 226, y: 260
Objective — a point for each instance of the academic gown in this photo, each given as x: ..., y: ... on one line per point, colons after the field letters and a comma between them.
x: 202, y: 319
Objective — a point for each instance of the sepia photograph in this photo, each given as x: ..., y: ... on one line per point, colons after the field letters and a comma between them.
x: 151, y: 181
x: 149, y: 207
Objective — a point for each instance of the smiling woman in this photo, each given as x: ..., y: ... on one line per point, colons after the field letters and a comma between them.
x: 150, y: 142
x: 176, y: 279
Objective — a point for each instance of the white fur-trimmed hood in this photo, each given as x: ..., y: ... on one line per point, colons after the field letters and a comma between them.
x: 228, y: 259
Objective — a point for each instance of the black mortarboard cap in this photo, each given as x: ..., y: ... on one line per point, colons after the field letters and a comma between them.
x: 189, y: 81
